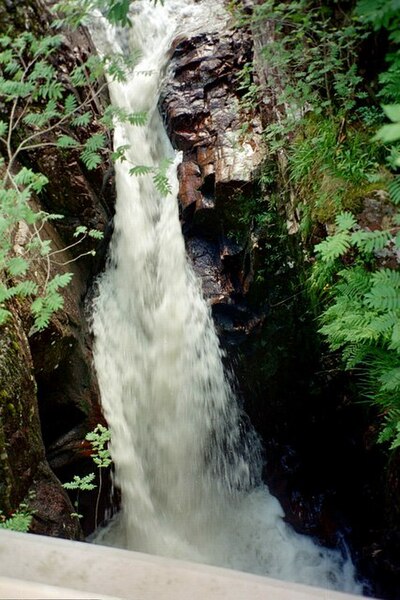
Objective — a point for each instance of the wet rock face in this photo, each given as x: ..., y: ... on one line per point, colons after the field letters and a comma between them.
x: 21, y: 444
x: 205, y: 120
x: 24, y: 471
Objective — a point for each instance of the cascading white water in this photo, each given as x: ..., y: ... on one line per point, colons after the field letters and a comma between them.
x: 188, y: 471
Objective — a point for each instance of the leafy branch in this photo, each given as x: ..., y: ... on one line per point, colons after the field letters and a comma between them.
x: 99, y: 439
x: 39, y: 111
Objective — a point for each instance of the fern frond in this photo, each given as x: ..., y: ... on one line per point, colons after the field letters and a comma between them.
x: 381, y: 324
x: 140, y: 170
x: 95, y: 142
x: 138, y: 119
x: 387, y: 277
x: 383, y: 297
x: 334, y: 246
x: 59, y: 281
x: 70, y: 104
x: 345, y: 221
x: 371, y: 241
x: 66, y: 141
x: 355, y: 282
x: 354, y: 354
x: 395, y: 339
x: 82, y: 120
x: 390, y: 380
x: 394, y: 190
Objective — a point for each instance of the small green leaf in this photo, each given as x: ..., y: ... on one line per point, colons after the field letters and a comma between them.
x: 80, y: 230
x: 345, y: 221
x: 82, y: 120
x: 59, y: 281
x: 4, y: 315
x: 70, y: 104
x: 66, y: 141
x: 3, y: 128
x: 119, y: 153
x: 392, y: 111
x: 139, y: 118
x: 96, y: 234
x: 17, y: 266
x: 140, y: 170
x: 388, y: 133
x: 91, y: 159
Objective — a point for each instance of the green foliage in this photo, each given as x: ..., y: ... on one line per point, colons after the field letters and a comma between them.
x: 249, y: 89
x: 328, y: 164
x: 81, y: 483
x: 390, y: 134
x: 331, y: 165
x: 394, y: 190
x: 362, y: 321
x: 385, y: 15
x: 40, y: 107
x: 20, y: 520
x: 76, y: 12
x: 22, y: 248
x: 312, y: 78
x: 311, y: 62
x: 99, y: 439
x: 160, y: 177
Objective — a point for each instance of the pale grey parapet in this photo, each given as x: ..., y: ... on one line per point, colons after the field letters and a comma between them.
x: 34, y: 566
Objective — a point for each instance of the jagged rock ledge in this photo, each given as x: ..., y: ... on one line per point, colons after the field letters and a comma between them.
x: 206, y: 120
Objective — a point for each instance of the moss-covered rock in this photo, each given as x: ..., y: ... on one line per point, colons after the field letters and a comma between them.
x: 23, y: 467
x: 21, y: 444
x: 49, y: 375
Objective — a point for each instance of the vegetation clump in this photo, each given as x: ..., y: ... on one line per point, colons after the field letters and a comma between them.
x: 335, y: 149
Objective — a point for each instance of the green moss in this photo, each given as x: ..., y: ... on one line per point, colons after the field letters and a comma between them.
x: 332, y: 166
x: 11, y: 409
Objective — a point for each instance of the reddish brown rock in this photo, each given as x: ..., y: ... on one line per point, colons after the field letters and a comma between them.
x: 206, y: 120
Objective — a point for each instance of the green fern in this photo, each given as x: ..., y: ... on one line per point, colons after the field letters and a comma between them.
x: 334, y: 246
x: 66, y: 141
x: 394, y: 190
x: 140, y: 170
x: 20, y: 520
x: 371, y: 241
x: 81, y: 483
x: 383, y: 297
x: 82, y: 120
x: 345, y: 221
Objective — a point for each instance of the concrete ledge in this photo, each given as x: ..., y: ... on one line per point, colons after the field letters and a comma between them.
x: 42, y: 567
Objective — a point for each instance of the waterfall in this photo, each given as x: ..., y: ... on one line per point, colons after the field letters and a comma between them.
x: 187, y: 466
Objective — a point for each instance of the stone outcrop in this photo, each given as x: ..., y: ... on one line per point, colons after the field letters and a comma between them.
x: 205, y: 119
x: 24, y: 470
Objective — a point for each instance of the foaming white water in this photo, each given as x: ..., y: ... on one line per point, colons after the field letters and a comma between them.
x: 188, y: 471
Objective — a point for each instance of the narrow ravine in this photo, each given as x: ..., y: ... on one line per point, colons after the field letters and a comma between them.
x: 188, y: 468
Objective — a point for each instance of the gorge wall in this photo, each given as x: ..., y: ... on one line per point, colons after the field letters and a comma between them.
x: 49, y: 397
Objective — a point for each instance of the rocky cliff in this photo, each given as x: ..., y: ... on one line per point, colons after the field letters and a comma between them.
x: 222, y: 150
x: 49, y: 397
